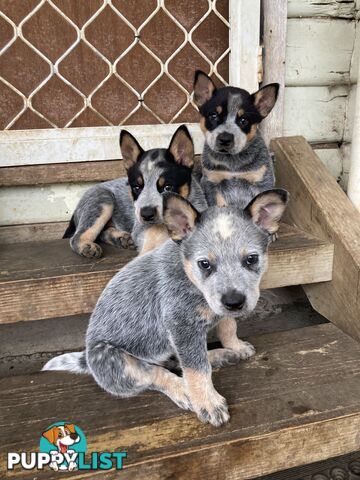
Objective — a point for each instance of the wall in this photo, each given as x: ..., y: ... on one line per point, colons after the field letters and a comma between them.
x: 322, y: 45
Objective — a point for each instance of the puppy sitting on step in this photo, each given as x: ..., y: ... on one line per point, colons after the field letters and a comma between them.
x: 129, y: 210
x: 162, y: 305
x: 236, y: 163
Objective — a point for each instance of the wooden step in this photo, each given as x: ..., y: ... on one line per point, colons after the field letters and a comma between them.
x: 46, y: 279
x: 296, y: 402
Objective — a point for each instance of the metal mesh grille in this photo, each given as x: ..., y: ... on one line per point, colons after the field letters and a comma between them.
x: 107, y: 62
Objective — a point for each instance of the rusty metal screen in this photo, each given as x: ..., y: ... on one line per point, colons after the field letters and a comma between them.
x: 84, y: 63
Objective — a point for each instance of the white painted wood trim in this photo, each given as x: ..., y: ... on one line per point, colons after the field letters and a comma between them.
x: 244, y: 41
x: 33, y: 147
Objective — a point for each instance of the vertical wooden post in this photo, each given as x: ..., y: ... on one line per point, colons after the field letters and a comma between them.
x: 274, y: 39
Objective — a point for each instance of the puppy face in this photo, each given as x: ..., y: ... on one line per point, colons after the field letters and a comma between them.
x: 230, y: 115
x: 225, y: 249
x: 154, y: 172
x: 62, y: 436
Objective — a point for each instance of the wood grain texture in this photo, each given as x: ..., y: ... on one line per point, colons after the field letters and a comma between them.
x: 329, y: 62
x: 274, y: 39
x: 296, y: 402
x: 319, y: 205
x: 33, y: 232
x: 321, y: 8
x: 61, y: 173
x: 61, y: 283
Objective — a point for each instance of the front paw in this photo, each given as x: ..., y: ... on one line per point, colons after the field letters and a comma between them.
x: 245, y: 350
x: 123, y: 240
x: 216, y: 414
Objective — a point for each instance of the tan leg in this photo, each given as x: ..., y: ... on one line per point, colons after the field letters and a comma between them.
x: 118, y: 238
x: 172, y: 385
x: 84, y: 242
x: 206, y: 402
x: 226, y: 331
x: 154, y: 236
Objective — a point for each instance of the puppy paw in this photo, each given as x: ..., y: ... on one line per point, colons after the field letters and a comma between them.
x: 91, y: 250
x: 125, y: 241
x: 245, y: 350
x: 216, y: 414
x: 220, y: 357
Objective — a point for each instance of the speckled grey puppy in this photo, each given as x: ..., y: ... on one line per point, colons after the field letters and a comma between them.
x: 162, y: 304
x: 236, y: 162
x: 128, y: 211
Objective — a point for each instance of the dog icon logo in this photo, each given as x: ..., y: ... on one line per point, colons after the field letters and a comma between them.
x: 63, y: 441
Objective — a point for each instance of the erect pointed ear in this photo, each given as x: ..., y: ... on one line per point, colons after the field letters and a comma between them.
x: 182, y: 147
x: 179, y: 216
x: 130, y: 149
x: 267, y: 208
x: 204, y: 88
x: 265, y: 98
x: 50, y: 435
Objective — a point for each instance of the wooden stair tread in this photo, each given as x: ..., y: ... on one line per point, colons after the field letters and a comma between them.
x: 61, y: 283
x: 296, y: 402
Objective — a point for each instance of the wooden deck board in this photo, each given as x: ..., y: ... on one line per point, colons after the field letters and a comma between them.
x: 296, y: 402
x: 61, y: 283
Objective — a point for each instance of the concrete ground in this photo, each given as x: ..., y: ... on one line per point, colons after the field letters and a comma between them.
x: 26, y: 346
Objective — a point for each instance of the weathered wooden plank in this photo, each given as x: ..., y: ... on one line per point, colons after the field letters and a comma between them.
x: 274, y: 38
x: 59, y: 145
x: 326, y: 64
x: 317, y: 113
x: 61, y: 283
x: 40, y: 204
x: 319, y: 205
x: 321, y: 8
x: 61, y: 173
x: 34, y: 232
x: 332, y: 159
x: 301, y: 389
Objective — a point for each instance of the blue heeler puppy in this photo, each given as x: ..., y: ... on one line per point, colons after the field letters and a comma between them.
x: 163, y: 304
x: 129, y: 210
x: 236, y: 162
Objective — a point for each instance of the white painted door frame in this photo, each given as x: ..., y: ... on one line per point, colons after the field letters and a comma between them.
x: 29, y: 147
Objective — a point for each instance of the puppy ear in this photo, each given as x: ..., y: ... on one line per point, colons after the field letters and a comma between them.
x: 50, y: 435
x: 265, y: 98
x: 204, y: 88
x: 182, y: 147
x: 130, y: 149
x: 179, y: 216
x: 267, y: 208
x: 70, y: 427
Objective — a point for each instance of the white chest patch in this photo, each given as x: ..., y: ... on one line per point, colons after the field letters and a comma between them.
x: 223, y: 225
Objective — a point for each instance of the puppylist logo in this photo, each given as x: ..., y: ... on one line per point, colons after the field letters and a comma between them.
x: 62, y: 448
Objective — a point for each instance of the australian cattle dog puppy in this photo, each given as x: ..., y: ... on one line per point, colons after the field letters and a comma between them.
x: 162, y: 304
x: 129, y: 210
x: 236, y: 162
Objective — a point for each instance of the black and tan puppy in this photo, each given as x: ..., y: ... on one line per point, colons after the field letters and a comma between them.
x: 236, y: 162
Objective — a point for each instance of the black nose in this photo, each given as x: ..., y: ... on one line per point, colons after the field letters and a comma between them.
x: 74, y: 436
x: 233, y: 300
x: 225, y: 139
x: 148, y: 213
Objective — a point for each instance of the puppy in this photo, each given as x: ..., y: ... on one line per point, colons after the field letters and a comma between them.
x: 236, y: 162
x: 162, y: 305
x: 62, y: 437
x: 112, y: 210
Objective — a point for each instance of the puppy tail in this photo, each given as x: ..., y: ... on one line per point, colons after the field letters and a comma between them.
x: 74, y: 362
x: 69, y: 232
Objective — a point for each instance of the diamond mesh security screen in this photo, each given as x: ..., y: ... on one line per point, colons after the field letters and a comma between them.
x: 82, y: 63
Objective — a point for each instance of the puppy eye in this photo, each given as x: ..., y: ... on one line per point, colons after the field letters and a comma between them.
x: 243, y: 122
x: 136, y: 188
x: 60, y: 435
x: 168, y: 188
x: 213, y: 116
x: 204, y: 265
x: 252, y: 259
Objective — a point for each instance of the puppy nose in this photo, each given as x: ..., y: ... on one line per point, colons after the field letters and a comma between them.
x: 73, y: 436
x: 148, y: 213
x: 233, y: 300
x: 225, y: 139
